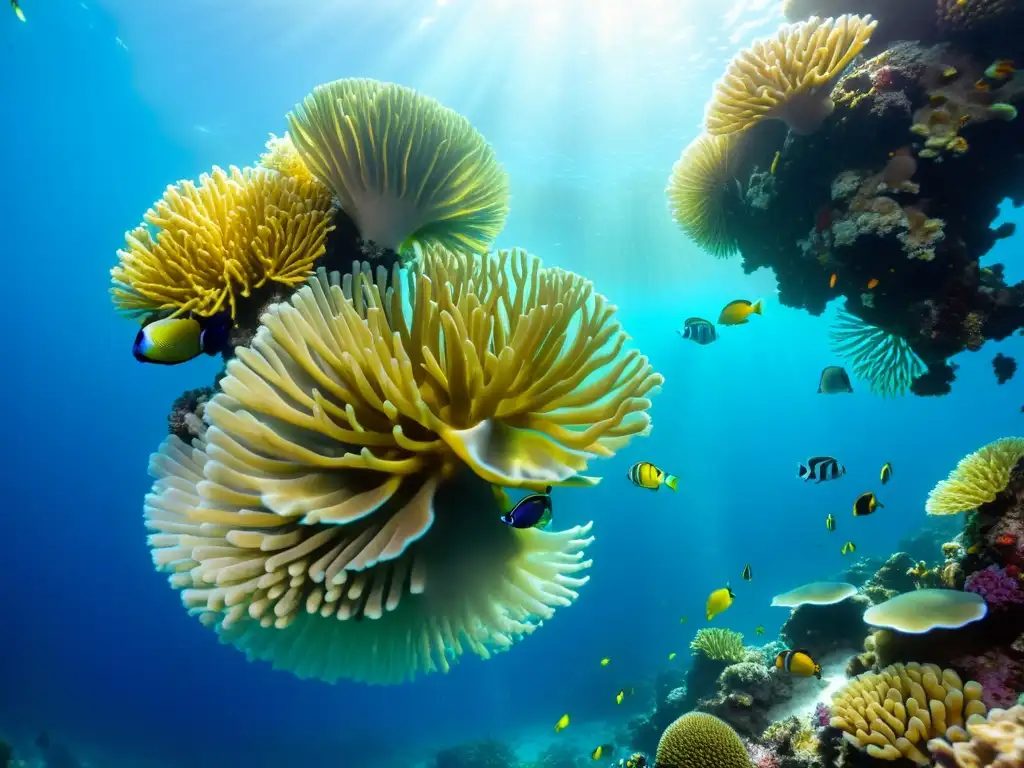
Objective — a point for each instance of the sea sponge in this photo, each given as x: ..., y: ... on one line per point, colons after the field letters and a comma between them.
x: 207, y: 246
x: 977, y: 478
x: 345, y: 472
x: 402, y: 166
x: 699, y: 191
x: 787, y: 77
x: 923, y: 610
x: 883, y: 358
x: 699, y: 740
x: 282, y: 157
x: 718, y: 644
x: 892, y: 713
x: 998, y: 742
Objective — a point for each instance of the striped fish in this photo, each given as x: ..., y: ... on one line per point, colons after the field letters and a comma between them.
x: 821, y: 468
x: 643, y: 474
x: 699, y: 330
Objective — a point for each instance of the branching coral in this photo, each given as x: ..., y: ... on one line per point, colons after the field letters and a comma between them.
x: 402, y: 166
x: 346, y: 467
x: 221, y: 240
x: 718, y: 644
x: 977, y: 479
x: 787, y: 77
x: 699, y: 190
x: 893, y: 713
x: 998, y: 743
x: 698, y: 740
x: 883, y: 358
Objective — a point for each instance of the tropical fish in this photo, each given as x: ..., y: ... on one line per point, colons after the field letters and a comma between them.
x: 175, y: 340
x: 820, y: 468
x: 605, y: 661
x: 865, y: 504
x: 562, y: 724
x: 759, y: 630
x: 798, y: 662
x: 699, y: 330
x: 747, y: 574
x: 602, y: 751
x: 872, y: 283
x: 775, y: 162
x: 671, y: 655
x: 1000, y: 70
x: 682, y: 620
x: 834, y: 380
x: 619, y: 697
x: 886, y: 474
x: 950, y: 72
x: 974, y: 549
x: 830, y: 523
x: 718, y: 601
x: 832, y: 280
x: 643, y: 474
x: 533, y: 511
x: 17, y: 10
x: 848, y: 548
x: 738, y: 312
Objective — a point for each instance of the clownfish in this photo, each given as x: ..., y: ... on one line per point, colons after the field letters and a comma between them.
x: 799, y: 663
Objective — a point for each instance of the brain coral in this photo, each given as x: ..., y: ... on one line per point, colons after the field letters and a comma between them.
x: 401, y: 165
x: 345, y: 472
x: 207, y: 245
x: 977, y: 479
x: 893, y: 713
x: 699, y: 740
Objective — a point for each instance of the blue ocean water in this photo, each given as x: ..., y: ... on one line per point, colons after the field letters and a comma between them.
x: 588, y: 105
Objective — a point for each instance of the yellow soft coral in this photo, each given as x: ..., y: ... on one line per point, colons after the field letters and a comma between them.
x: 997, y: 743
x: 208, y: 245
x: 893, y: 713
x: 346, y: 470
x: 787, y: 77
x: 699, y: 740
x: 282, y: 156
x: 977, y: 479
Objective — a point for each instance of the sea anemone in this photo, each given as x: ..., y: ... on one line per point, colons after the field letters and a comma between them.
x: 977, y: 479
x: 346, y: 473
x: 402, y: 166
x: 923, y: 610
x: 207, y: 246
x: 718, y: 644
x: 282, y: 157
x: 699, y: 189
x: 882, y: 358
x: 787, y: 77
x: 699, y: 740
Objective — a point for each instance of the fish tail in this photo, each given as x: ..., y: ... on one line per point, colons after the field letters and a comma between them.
x: 672, y: 482
x: 757, y: 307
x: 803, y: 470
x: 817, y: 671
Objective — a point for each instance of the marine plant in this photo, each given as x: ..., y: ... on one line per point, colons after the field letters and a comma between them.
x: 882, y: 358
x: 346, y: 473
x: 718, y: 644
x: 699, y: 740
x: 978, y: 478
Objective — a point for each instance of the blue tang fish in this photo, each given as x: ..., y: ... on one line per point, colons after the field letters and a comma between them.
x: 176, y: 340
x: 533, y: 511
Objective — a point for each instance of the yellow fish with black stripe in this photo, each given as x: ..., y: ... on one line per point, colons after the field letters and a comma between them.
x: 848, y: 548
x: 798, y: 662
x: 643, y: 474
x: 886, y: 474
x: 605, y: 750
x: 718, y: 601
x: 830, y: 523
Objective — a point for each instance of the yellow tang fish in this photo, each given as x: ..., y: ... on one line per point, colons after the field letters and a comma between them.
x: 848, y: 547
x: 865, y: 504
x: 886, y: 474
x: 798, y: 662
x: 738, y: 312
x: 718, y: 601
x: 643, y: 474
x: 562, y: 724
x: 605, y: 661
x: 602, y: 751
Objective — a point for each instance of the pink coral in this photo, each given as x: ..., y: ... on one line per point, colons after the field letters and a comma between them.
x: 762, y: 756
x: 882, y: 78
x: 998, y: 674
x: 822, y: 715
x: 996, y: 586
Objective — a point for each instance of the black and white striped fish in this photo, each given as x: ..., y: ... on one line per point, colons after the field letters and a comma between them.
x: 699, y: 330
x: 821, y: 468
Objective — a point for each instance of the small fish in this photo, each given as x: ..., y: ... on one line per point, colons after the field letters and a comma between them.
x: 671, y: 656
x: 834, y: 380
x: 974, y: 549
x: 759, y: 630
x: 699, y: 330
x: 848, y: 548
x: 605, y: 661
x: 798, y: 662
x: 865, y: 504
x: 643, y: 474
x: 820, y: 468
x: 562, y: 724
x: 775, y: 162
x: 950, y: 72
x: 175, y: 340
x: 17, y: 10
x: 738, y: 312
x: 619, y: 697
x: 747, y: 574
x: 602, y: 751
x: 982, y: 86
x: 533, y: 511
x: 872, y: 283
x: 886, y: 474
x: 832, y: 280
x: 682, y: 620
x: 718, y: 601
x: 830, y: 523
x: 1000, y: 70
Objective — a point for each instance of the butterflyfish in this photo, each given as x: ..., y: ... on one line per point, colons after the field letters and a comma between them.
x: 562, y: 724
x: 718, y: 601
x: 747, y: 573
x: 533, y: 511
x: 886, y: 474
x: 175, y: 340
x: 865, y: 504
x: 830, y: 523
x: 798, y: 663
x: 698, y: 330
x: 848, y: 548
x: 643, y: 474
x: 738, y: 312
x: 602, y: 751
x: 820, y: 469
x: 834, y: 380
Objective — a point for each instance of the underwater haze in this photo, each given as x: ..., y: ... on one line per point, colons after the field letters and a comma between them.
x: 587, y: 105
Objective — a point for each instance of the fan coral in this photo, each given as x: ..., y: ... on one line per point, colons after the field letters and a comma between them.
x: 282, y: 157
x: 718, y: 644
x: 883, y: 358
x: 787, y: 77
x: 221, y: 240
x: 998, y: 742
x: 893, y: 713
x: 698, y: 740
x: 998, y: 588
x: 699, y: 189
x: 402, y: 166
x: 977, y: 478
x: 345, y: 471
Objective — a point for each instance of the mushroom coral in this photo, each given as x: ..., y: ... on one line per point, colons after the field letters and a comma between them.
x: 787, y: 77
x: 882, y: 358
x: 977, y: 479
x: 699, y: 189
x: 219, y: 241
x: 346, y: 472
x: 893, y: 713
x: 699, y: 740
x: 402, y: 166
x: 998, y: 742
x: 923, y: 610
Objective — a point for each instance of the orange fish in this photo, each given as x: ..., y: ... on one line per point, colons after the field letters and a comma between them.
x: 872, y: 283
x: 981, y: 85
x: 832, y: 281
x: 1006, y: 540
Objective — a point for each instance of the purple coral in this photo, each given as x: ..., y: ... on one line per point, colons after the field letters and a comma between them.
x: 998, y: 674
x: 822, y: 715
x: 996, y: 586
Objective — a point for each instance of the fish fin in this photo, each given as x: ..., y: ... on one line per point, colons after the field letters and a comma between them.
x: 879, y: 504
x: 804, y: 651
x: 803, y: 471
x: 672, y: 482
x: 756, y: 308
x: 545, y: 519
x: 817, y: 671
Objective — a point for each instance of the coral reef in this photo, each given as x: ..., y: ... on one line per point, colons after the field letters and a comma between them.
x: 746, y: 693
x: 1004, y: 368
x: 699, y: 740
x: 670, y: 702
x: 822, y: 629
x: 717, y: 644
x: 483, y: 754
x: 998, y: 742
x: 185, y: 421
x: 978, y: 478
x: 999, y: 673
x: 1000, y: 589
x: 892, y: 578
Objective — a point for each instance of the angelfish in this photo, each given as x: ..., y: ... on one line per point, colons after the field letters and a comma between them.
x: 174, y: 340
x: 533, y: 511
